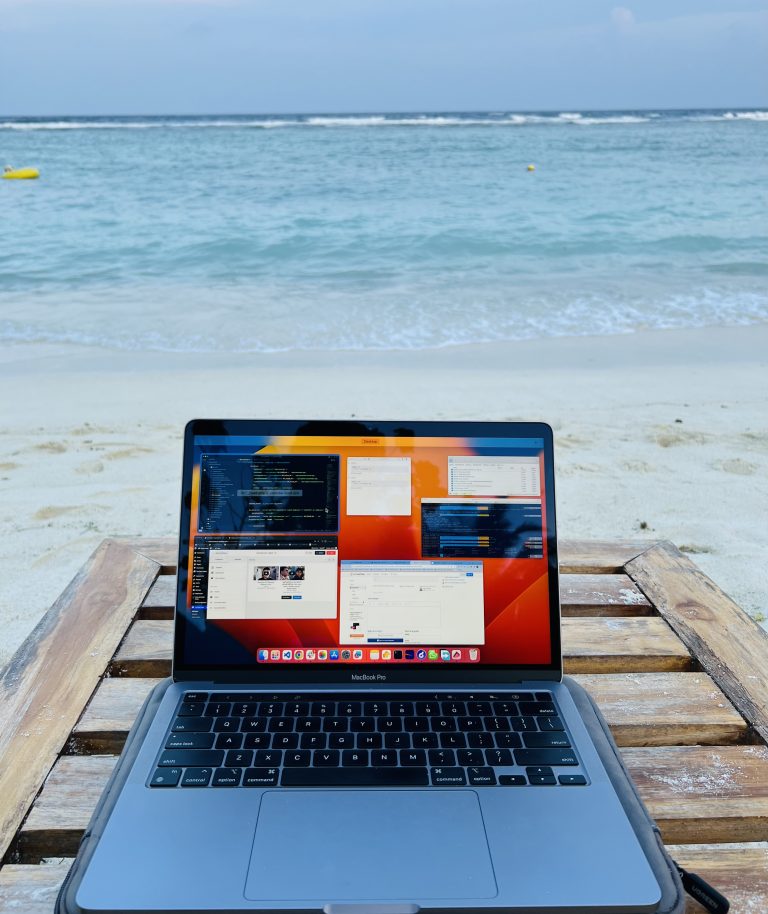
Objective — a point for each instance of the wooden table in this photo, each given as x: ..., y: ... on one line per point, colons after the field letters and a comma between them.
x: 679, y: 670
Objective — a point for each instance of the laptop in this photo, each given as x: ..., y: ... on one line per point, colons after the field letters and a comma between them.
x: 366, y: 713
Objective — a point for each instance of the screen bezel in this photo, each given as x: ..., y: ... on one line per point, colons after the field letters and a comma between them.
x: 368, y: 673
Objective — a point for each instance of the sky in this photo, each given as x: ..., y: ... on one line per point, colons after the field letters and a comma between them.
x: 89, y: 57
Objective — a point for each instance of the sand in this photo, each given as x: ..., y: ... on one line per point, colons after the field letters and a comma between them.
x: 659, y: 434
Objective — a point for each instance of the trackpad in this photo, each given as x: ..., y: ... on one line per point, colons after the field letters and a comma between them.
x: 369, y: 845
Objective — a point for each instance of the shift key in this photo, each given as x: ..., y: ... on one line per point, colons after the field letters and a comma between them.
x: 191, y: 758
x: 526, y: 757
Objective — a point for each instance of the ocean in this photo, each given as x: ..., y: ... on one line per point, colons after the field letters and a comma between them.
x: 396, y: 231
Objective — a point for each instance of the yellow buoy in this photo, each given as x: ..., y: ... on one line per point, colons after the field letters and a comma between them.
x: 21, y: 174
x: 531, y: 168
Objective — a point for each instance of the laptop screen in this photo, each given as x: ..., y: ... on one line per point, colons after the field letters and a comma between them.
x: 366, y: 549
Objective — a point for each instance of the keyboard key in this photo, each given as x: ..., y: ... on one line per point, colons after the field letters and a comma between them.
x: 298, y: 759
x: 260, y: 777
x: 254, y: 725
x: 309, y: 725
x: 540, y: 780
x: 505, y: 708
x: 191, y: 709
x: 397, y: 740
x: 416, y: 724
x: 512, y: 780
x: 226, y: 725
x: 285, y: 741
x: 296, y: 708
x: 362, y: 724
x: 354, y: 777
x: 522, y: 724
x: 425, y: 740
x: 470, y: 723
x: 281, y: 725
x: 479, y: 740
x: 375, y: 708
x: 229, y: 740
x: 244, y: 709
x: 218, y: 708
x: 443, y: 724
x: 546, y: 740
x: 389, y: 724
x: 548, y: 724
x: 442, y: 757
x: 196, y: 696
x: 525, y: 757
x: 508, y: 740
x: 543, y: 696
x: 197, y: 777
x: 335, y: 724
x: 470, y: 757
x: 498, y: 757
x: 452, y: 740
x: 227, y: 777
x: 413, y: 757
x: 349, y: 708
x: 191, y: 758
x: 323, y: 708
x: 448, y: 777
x: 190, y: 741
x: 538, y: 709
x: 271, y: 709
x: 257, y: 741
x: 314, y: 741
x: 427, y: 708
x: 354, y: 758
x: 481, y: 777
x: 341, y: 740
x: 192, y: 725
x: 328, y: 758
x: 267, y: 758
x: 369, y: 741
x: 238, y: 758
x: 479, y: 708
x: 383, y: 757
x: 453, y: 708
x: 401, y: 708
x: 572, y: 780
x: 165, y: 777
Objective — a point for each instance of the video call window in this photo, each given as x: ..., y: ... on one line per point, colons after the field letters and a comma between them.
x: 269, y: 493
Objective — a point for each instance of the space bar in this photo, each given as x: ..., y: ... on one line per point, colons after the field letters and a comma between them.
x: 354, y: 777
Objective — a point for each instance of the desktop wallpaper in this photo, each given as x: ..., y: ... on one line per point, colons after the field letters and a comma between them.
x: 516, y: 604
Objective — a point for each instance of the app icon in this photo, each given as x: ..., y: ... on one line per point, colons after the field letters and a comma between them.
x: 274, y: 655
x: 456, y: 654
x: 386, y: 655
x: 445, y: 655
x: 334, y: 654
x: 421, y: 654
x: 311, y: 655
x: 474, y: 653
x: 398, y: 655
x: 357, y: 655
x: 263, y: 654
x: 287, y: 654
x: 322, y: 654
x: 409, y: 655
x: 345, y: 654
x: 432, y: 654
x: 374, y: 655
x: 298, y: 655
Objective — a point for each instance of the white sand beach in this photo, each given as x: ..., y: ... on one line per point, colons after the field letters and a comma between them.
x: 659, y: 434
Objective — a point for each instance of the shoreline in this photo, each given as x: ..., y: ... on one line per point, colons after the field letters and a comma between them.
x: 662, y: 428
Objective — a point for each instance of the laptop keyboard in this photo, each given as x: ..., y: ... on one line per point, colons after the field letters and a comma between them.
x: 248, y: 739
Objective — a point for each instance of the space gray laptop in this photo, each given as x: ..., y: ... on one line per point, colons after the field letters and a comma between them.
x: 367, y: 712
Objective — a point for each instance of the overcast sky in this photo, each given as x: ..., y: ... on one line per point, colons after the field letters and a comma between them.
x: 253, y: 56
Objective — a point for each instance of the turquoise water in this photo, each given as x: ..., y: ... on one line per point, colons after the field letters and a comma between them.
x: 380, y: 232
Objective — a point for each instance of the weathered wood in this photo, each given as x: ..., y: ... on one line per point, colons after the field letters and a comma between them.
x: 576, y: 556
x: 740, y: 873
x: 26, y: 889
x: 726, y: 642
x: 580, y: 595
x: 52, y: 675
x: 704, y: 794
x: 589, y: 645
x: 162, y: 549
x: 696, y: 794
x: 642, y: 709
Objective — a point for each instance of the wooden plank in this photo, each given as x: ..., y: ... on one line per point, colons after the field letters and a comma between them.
x: 642, y: 709
x: 704, y: 794
x: 580, y: 595
x: 163, y: 550
x: 31, y: 889
x: 726, y: 642
x: 50, y: 678
x: 589, y: 645
x: 740, y: 873
x: 701, y: 794
x: 661, y: 709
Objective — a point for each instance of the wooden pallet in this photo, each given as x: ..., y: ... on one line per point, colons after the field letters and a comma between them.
x: 678, y: 669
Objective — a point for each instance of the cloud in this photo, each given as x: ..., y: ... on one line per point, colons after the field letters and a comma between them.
x: 622, y: 18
